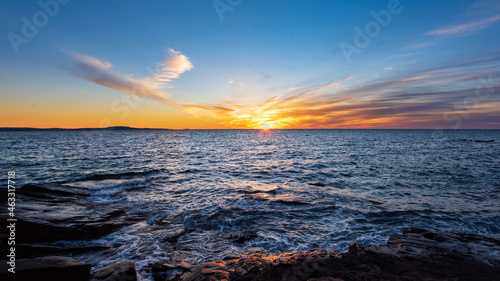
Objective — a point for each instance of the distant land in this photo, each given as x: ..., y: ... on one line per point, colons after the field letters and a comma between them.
x: 125, y: 128
x: 116, y: 128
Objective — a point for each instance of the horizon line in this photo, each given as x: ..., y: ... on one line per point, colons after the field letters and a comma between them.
x: 124, y: 128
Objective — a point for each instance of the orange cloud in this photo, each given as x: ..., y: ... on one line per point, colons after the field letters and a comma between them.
x: 421, y: 99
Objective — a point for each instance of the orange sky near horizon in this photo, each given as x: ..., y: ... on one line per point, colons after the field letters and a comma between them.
x: 172, y: 65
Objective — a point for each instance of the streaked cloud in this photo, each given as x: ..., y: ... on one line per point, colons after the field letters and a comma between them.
x: 424, y: 98
x: 100, y: 72
x: 407, y: 98
x: 466, y: 28
x: 421, y: 45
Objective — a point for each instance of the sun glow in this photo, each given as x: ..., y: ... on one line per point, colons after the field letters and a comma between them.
x: 265, y: 127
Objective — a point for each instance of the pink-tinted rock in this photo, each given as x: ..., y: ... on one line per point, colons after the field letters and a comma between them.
x: 417, y: 254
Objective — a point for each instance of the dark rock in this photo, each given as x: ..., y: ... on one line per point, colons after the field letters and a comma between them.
x: 417, y: 254
x: 478, y: 140
x: 291, y: 202
x: 325, y: 279
x: 163, y: 271
x: 122, y: 271
x: 174, y: 232
x: 49, y: 213
x: 37, y: 250
x: 51, y: 190
x: 243, y: 237
x: 261, y: 266
x: 46, y: 269
x: 434, y: 253
x: 320, y: 184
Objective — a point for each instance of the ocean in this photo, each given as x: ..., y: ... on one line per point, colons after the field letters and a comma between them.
x: 230, y: 192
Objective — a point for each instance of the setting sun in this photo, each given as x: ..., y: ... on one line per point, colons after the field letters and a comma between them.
x: 250, y: 140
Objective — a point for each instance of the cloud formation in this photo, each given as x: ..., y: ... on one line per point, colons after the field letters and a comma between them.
x: 100, y: 72
x: 466, y: 28
x: 174, y: 65
x: 444, y: 95
x: 239, y: 85
x: 448, y: 95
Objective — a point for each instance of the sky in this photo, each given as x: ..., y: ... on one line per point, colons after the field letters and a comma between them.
x: 250, y: 64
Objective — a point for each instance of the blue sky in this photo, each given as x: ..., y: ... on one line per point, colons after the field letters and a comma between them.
x: 239, y: 64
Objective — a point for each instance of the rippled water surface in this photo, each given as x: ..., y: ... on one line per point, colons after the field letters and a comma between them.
x: 226, y: 192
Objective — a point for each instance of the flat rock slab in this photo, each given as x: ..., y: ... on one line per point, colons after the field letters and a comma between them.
x: 38, y: 250
x: 122, y: 271
x: 433, y: 253
x: 53, y: 212
x: 163, y: 271
x: 417, y: 254
x: 46, y: 269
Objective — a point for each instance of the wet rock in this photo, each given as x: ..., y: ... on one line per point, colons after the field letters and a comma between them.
x: 319, y: 184
x: 52, y: 190
x: 432, y: 253
x: 164, y: 271
x: 173, y: 233
x: 325, y: 279
x: 291, y: 202
x: 46, y: 269
x: 417, y: 254
x: 478, y: 140
x: 243, y: 237
x: 261, y: 266
x: 37, y: 250
x: 122, y: 271
x: 52, y: 212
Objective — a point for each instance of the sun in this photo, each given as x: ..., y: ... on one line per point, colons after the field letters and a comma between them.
x: 265, y: 127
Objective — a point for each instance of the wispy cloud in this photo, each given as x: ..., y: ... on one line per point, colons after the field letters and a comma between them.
x: 239, y: 85
x: 466, y: 28
x: 419, y: 46
x: 172, y: 67
x: 417, y: 99
x: 175, y: 63
x: 100, y: 72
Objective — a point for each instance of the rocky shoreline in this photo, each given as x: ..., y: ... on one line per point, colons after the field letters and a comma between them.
x: 51, y: 212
